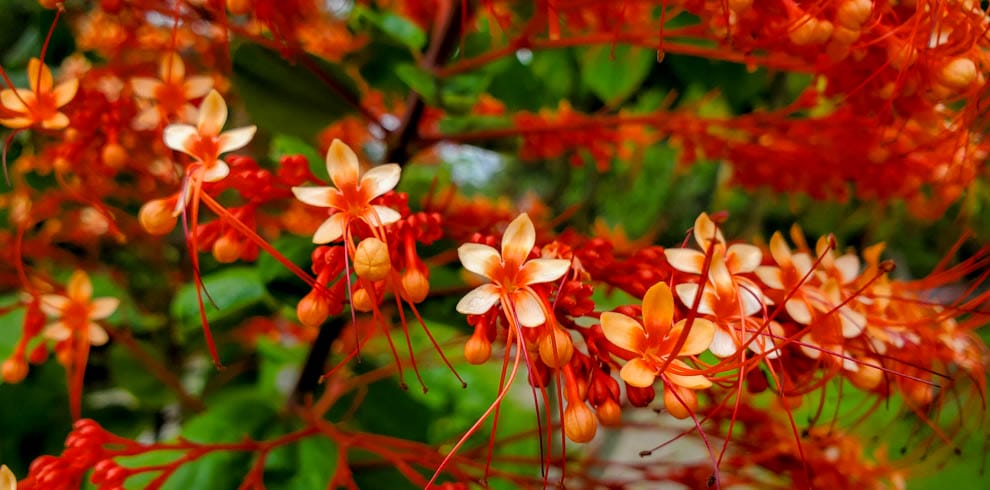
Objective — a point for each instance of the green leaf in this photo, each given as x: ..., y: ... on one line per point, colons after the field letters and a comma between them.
x: 418, y: 80
x: 129, y: 374
x: 288, y: 98
x: 232, y: 290
x: 317, y: 463
x: 394, y: 26
x: 613, y: 73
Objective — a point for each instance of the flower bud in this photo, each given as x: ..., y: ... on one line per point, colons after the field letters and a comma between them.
x: 640, y: 397
x: 371, y: 260
x: 114, y: 155
x: 958, y: 73
x: 313, y: 309
x: 39, y: 354
x: 156, y: 216
x: 679, y: 402
x: 556, y: 348
x: 361, y: 300
x: 239, y: 7
x: 478, y: 349
x: 580, y: 423
x: 610, y: 413
x: 14, y: 370
x: 867, y: 376
x: 227, y: 248
x: 852, y: 14
x: 809, y: 30
x: 415, y: 284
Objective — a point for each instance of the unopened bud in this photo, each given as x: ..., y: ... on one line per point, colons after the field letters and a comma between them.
x: 415, y: 284
x: 958, y: 73
x: 361, y: 300
x: 867, y: 375
x: 114, y: 155
x: 852, y: 14
x: 610, y: 413
x: 809, y: 30
x: 640, y: 397
x: 14, y: 370
x: 580, y: 423
x: 227, y: 248
x: 556, y: 348
x: 156, y: 216
x: 313, y: 309
x: 679, y: 402
x: 39, y: 354
x: 478, y: 349
x: 371, y: 260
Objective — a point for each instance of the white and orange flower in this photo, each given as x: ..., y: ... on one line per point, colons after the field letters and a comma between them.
x: 38, y: 106
x: 205, y: 142
x: 77, y: 311
x: 511, y: 275
x: 170, y: 93
x: 351, y: 195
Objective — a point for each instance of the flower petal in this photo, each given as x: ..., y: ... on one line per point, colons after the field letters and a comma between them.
x: 771, y: 276
x: 385, y: 215
x: 705, y: 231
x: 543, y: 270
x: 479, y: 300
x: 56, y: 121
x: 750, y: 298
x: 798, y: 310
x: 690, y: 381
x: 638, y: 373
x: 479, y: 259
x: 698, y: 339
x: 101, y: 308
x: 196, y: 87
x: 79, y: 288
x: 216, y: 172
x: 57, y: 331
x: 380, y: 179
x: 212, y: 114
x: 779, y: 250
x: 687, y: 291
x: 54, y: 304
x: 235, y: 139
x: 685, y: 259
x: 65, y: 91
x: 853, y: 322
x: 315, y: 196
x: 743, y: 257
x: 171, y: 68
x: 145, y: 87
x: 623, y: 331
x: 518, y: 240
x: 179, y: 137
x: 17, y: 122
x: 97, y: 335
x: 528, y: 308
x: 39, y: 76
x: 7, y: 479
x: 848, y: 268
x: 658, y: 311
x: 342, y: 165
x: 723, y: 345
x: 16, y: 101
x: 331, y: 230
x: 147, y: 119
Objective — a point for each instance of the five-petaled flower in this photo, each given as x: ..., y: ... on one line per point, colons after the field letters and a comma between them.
x: 77, y: 311
x: 511, y: 275
x: 654, y: 341
x: 204, y: 142
x: 40, y: 105
x: 171, y: 93
x: 350, y: 197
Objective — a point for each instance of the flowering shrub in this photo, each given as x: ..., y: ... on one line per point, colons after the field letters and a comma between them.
x: 456, y: 243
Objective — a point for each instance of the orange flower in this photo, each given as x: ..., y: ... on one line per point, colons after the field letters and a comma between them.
x: 654, y: 341
x: 171, y: 93
x: 77, y: 311
x: 204, y: 142
x: 352, y: 193
x: 39, y: 105
x: 511, y: 275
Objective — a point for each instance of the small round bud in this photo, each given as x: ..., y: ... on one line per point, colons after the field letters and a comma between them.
x: 852, y: 14
x: 39, y: 354
x: 809, y: 30
x: 415, y: 284
x: 680, y: 405
x: 580, y: 423
x: 610, y: 413
x: 958, y: 73
x: 867, y: 376
x: 14, y: 370
x: 313, y: 309
x: 227, y: 248
x: 478, y: 349
x: 371, y: 260
x: 156, y: 216
x: 114, y: 155
x: 361, y: 300
x: 640, y: 397
x: 556, y: 348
